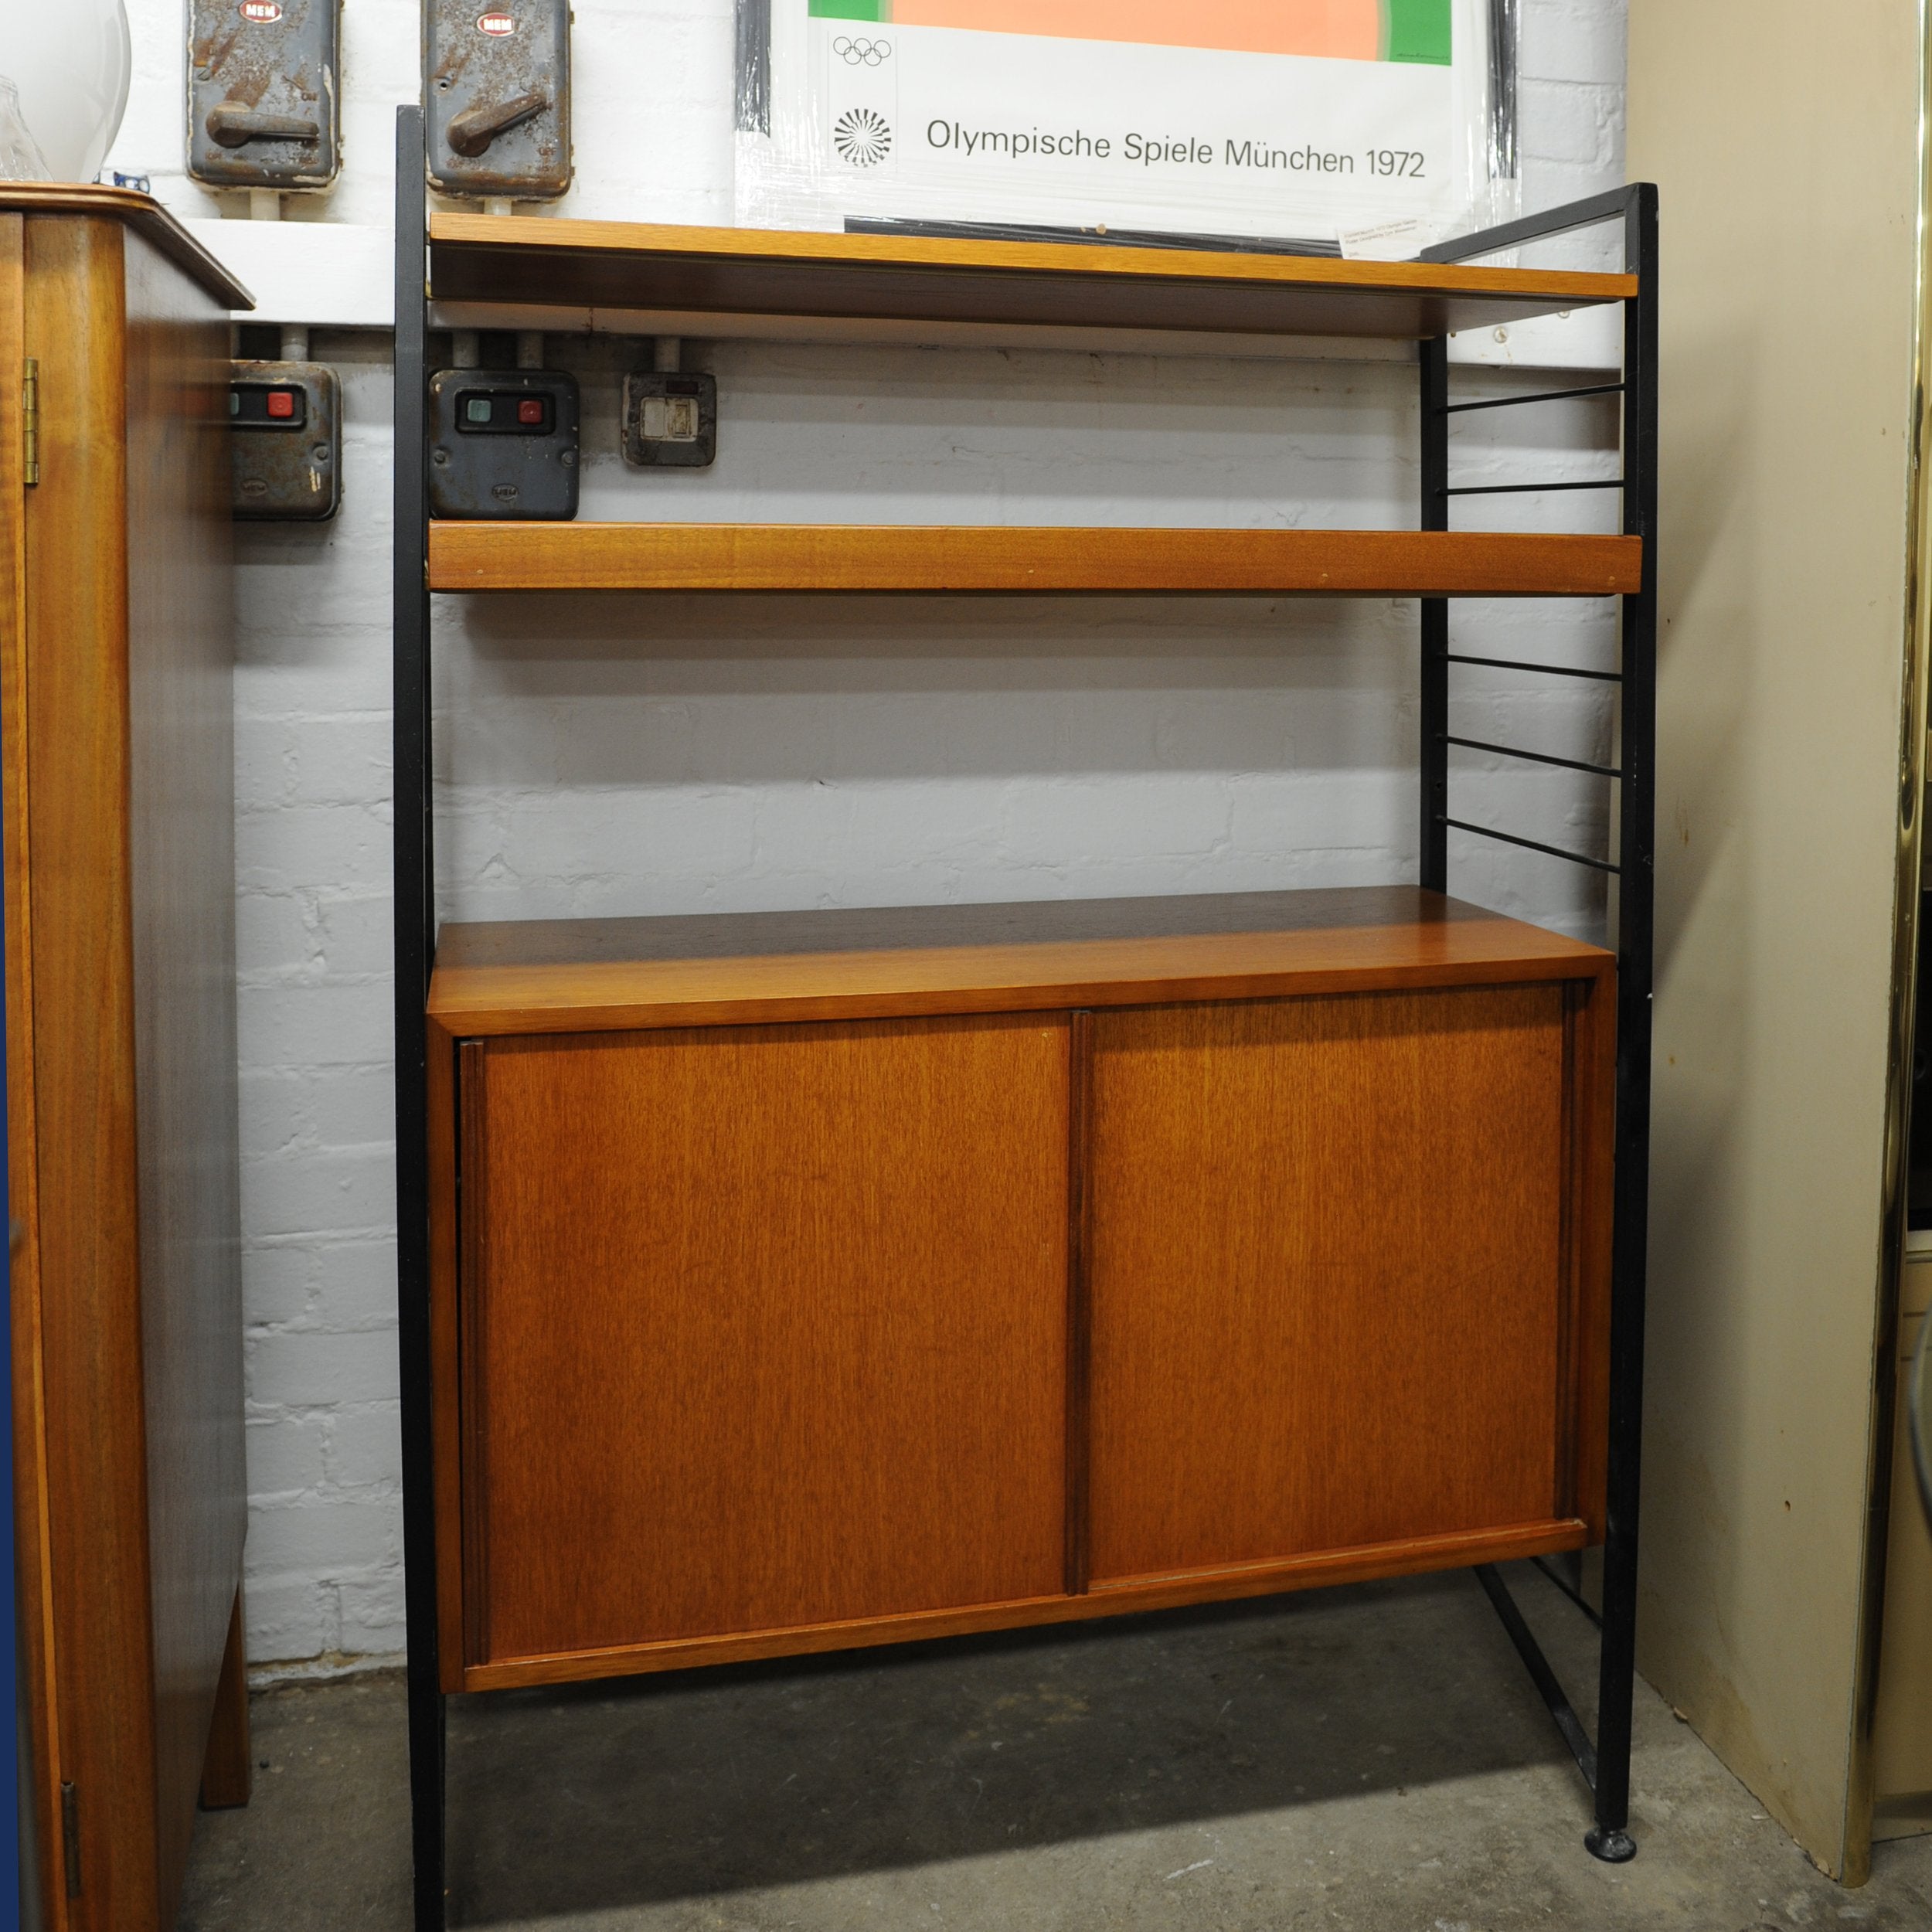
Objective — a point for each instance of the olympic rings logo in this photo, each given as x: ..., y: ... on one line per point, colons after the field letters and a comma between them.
x: 862, y: 53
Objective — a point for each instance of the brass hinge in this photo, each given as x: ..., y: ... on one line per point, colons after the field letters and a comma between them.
x: 70, y: 1837
x: 30, y: 423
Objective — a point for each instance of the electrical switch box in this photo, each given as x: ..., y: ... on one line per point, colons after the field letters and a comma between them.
x: 670, y: 422
x: 263, y: 110
x: 287, y: 442
x: 496, y: 78
x: 503, y: 443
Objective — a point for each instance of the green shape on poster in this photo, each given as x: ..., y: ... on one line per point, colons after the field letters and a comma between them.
x: 1417, y: 31
x: 851, y: 9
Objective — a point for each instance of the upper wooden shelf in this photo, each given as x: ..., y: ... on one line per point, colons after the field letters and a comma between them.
x: 931, y: 560
x: 499, y: 261
x: 591, y: 975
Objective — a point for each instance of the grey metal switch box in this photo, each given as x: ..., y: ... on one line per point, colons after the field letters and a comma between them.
x: 503, y: 443
x: 670, y: 421
x: 287, y: 420
x: 263, y: 110
x: 496, y: 79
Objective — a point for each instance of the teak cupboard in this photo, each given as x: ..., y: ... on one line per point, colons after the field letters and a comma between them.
x: 117, y: 639
x: 780, y: 1283
x: 834, y: 1278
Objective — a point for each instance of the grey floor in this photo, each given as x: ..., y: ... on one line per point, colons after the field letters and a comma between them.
x: 1371, y: 1759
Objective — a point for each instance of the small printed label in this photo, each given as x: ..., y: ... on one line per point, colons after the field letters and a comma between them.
x: 263, y: 13
x: 1387, y: 241
x: 496, y: 25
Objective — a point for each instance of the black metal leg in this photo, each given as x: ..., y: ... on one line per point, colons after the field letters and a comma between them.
x: 415, y: 951
x: 1610, y: 1840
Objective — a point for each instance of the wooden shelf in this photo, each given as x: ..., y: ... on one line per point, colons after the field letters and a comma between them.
x: 948, y: 558
x: 499, y: 261
x: 587, y: 975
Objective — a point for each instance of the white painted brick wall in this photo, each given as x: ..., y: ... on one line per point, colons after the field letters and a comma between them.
x: 616, y: 756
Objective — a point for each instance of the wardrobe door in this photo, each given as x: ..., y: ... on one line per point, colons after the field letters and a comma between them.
x: 763, y: 1328
x: 1328, y: 1283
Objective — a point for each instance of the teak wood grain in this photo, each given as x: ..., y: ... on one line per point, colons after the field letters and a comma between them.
x: 121, y: 1047
x: 762, y: 1330
x: 586, y: 975
x: 1326, y: 1277
x: 497, y: 260
x: 81, y: 920
x: 1298, y: 1282
x: 39, y: 1690
x: 955, y: 559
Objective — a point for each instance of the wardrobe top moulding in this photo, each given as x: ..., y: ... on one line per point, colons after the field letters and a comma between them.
x: 144, y: 216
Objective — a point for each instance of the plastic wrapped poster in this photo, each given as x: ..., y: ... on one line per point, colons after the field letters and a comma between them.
x: 1357, y: 126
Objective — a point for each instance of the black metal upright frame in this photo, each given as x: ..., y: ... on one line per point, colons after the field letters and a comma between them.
x: 1605, y: 1764
x: 415, y: 833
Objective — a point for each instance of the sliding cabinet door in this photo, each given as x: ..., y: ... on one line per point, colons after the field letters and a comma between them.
x: 1330, y: 1279
x: 762, y: 1328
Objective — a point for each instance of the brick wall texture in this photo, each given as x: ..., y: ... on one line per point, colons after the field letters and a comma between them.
x: 615, y: 757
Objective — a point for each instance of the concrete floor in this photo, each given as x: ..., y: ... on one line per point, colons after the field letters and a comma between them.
x: 1369, y: 1760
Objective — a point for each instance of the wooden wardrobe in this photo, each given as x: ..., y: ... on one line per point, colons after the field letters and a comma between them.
x: 116, y: 670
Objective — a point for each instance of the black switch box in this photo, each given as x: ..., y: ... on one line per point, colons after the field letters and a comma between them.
x: 265, y: 86
x: 286, y: 444
x: 670, y: 421
x: 503, y: 443
x: 496, y: 87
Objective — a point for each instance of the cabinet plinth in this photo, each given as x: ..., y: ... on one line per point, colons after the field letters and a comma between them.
x: 818, y: 1279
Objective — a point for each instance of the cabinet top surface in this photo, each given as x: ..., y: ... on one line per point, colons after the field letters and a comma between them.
x: 553, y: 262
x: 593, y: 974
x: 144, y: 215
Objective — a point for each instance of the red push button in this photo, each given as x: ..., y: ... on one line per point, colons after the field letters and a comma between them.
x: 530, y: 412
x: 281, y: 405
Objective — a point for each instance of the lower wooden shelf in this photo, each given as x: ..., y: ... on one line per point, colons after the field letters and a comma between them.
x: 812, y: 1280
x: 1082, y: 562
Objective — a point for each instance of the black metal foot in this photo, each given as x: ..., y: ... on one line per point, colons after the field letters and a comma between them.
x: 1613, y: 1848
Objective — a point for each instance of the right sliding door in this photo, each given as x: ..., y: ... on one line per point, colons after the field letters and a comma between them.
x: 1344, y: 1273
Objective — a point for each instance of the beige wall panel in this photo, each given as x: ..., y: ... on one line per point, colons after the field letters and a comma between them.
x: 1784, y: 141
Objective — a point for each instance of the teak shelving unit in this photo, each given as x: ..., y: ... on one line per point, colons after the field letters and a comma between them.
x: 1050, y: 1034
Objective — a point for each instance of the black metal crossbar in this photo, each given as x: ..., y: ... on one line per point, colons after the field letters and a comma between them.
x: 1542, y: 395
x: 1533, y: 845
x: 1531, y: 489
x: 1550, y: 670
x: 1536, y: 758
x: 1531, y: 1652
x: 1562, y: 1583
x: 1613, y: 204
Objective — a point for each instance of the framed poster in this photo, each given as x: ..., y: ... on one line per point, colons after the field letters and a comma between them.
x: 1333, y: 126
